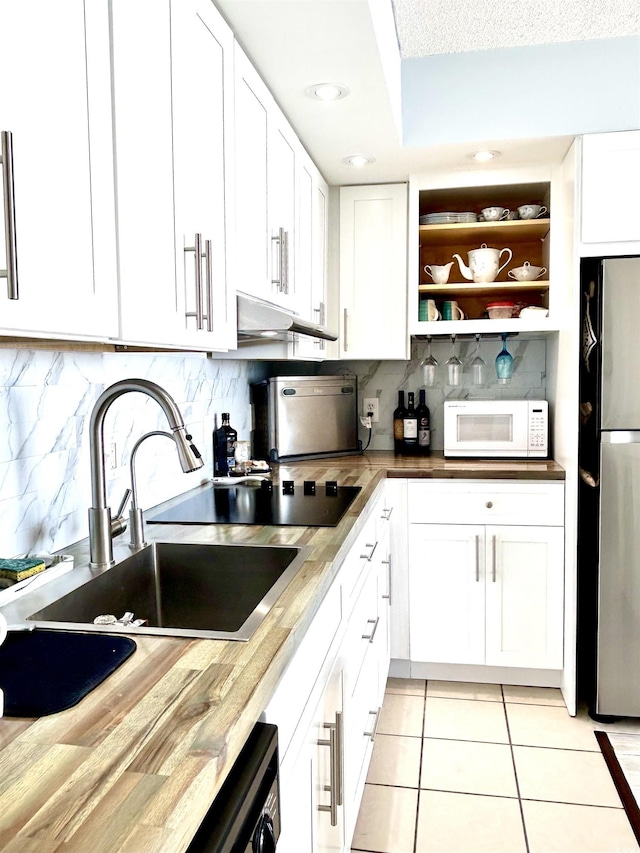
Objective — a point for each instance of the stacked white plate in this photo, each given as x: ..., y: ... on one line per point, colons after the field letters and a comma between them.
x: 447, y: 218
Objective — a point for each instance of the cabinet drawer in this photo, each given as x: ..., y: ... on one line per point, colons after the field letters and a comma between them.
x: 363, y: 625
x: 296, y: 685
x: 516, y: 502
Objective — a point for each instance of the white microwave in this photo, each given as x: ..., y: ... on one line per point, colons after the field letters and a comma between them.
x: 496, y: 428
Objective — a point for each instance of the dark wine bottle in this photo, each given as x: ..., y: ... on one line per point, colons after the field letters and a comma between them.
x: 398, y: 424
x: 424, y: 425
x: 410, y: 426
x: 224, y: 447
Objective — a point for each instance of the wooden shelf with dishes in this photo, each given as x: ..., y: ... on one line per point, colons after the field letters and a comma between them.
x: 527, y: 240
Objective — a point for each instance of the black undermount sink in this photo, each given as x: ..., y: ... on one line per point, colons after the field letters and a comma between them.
x: 181, y: 590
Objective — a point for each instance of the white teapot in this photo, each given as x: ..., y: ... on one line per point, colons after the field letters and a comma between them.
x: 484, y: 264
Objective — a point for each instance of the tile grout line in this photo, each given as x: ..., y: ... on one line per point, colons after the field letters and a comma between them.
x: 424, y: 716
x: 515, y: 772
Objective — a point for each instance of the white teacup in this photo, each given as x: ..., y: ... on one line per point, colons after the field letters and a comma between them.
x: 531, y: 211
x: 439, y: 274
x: 432, y: 310
x: 526, y: 272
x: 494, y: 214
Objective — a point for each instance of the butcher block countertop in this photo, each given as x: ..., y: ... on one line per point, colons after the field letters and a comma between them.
x: 136, y: 764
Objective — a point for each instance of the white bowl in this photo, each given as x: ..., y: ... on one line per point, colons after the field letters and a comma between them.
x: 533, y: 312
x: 526, y: 272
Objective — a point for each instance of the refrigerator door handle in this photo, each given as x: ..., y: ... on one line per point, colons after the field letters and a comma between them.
x: 620, y: 436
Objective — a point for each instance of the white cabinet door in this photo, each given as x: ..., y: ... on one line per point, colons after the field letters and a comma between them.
x: 252, y: 245
x: 281, y: 155
x: 202, y: 61
x: 311, y: 255
x: 55, y: 101
x: 446, y: 593
x: 524, y: 598
x: 373, y: 272
x: 144, y: 170
x: 327, y: 745
x: 174, y: 125
x: 265, y: 190
x: 610, y: 187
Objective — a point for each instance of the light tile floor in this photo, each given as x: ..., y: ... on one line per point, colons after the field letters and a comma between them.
x: 485, y: 768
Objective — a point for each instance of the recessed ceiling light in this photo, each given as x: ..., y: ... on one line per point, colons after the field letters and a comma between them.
x: 327, y: 91
x: 359, y: 160
x: 483, y: 156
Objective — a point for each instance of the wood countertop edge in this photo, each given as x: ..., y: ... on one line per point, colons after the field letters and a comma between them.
x: 134, y: 767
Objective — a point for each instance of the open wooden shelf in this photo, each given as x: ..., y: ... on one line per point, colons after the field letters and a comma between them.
x: 519, y: 229
x: 492, y: 288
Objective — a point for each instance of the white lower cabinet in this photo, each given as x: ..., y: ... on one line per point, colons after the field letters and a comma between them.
x: 487, y: 594
x: 328, y: 701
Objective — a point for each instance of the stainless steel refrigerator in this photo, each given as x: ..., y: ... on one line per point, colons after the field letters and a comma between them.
x: 610, y: 473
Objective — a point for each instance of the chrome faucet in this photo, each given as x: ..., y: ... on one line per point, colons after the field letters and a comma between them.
x: 102, y: 528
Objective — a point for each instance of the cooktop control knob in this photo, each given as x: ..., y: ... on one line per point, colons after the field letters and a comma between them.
x: 309, y: 487
x: 331, y: 487
x: 267, y: 487
x: 288, y: 487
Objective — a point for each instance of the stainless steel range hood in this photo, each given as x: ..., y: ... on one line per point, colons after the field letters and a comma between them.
x: 258, y: 320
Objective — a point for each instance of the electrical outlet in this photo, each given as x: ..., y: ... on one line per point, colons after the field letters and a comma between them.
x: 370, y: 406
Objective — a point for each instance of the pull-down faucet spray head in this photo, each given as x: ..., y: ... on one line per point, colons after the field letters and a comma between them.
x: 100, y: 526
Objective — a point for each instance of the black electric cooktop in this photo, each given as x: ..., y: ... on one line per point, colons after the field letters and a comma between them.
x: 306, y: 504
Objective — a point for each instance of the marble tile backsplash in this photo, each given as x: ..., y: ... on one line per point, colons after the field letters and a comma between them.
x: 383, y: 379
x: 46, y: 399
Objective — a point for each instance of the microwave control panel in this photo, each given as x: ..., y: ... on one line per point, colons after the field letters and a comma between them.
x: 538, y: 428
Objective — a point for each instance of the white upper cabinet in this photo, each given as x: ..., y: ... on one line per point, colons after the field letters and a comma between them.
x: 280, y: 205
x: 311, y: 255
x: 55, y: 104
x: 373, y: 272
x: 174, y: 160
x: 252, y: 247
x: 610, y: 190
x: 202, y: 62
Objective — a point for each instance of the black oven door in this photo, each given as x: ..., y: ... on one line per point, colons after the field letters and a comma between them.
x: 245, y: 815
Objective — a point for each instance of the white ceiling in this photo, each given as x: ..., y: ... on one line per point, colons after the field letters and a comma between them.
x: 297, y: 43
x: 427, y: 27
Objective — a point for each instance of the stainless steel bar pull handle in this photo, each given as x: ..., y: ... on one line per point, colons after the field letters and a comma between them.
x: 340, y: 758
x: 388, y: 564
x: 284, y: 263
x: 386, y: 513
x: 11, y: 272
x: 345, y: 339
x: 373, y: 546
x: 372, y: 635
x: 493, y: 558
x: 477, y: 559
x: 334, y: 773
x: 197, y: 250
x: 208, y: 273
x: 374, y: 731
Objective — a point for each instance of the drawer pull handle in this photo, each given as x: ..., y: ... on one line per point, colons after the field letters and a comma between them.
x: 493, y: 550
x: 388, y: 595
x: 373, y: 547
x: 335, y: 765
x: 386, y: 513
x: 373, y: 622
x: 374, y: 731
x: 489, y: 504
